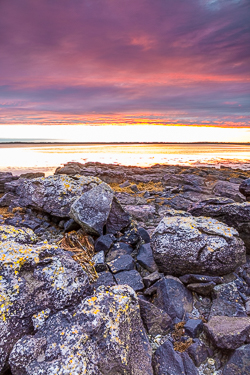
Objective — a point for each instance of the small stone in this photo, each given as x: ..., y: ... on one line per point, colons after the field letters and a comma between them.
x: 146, y: 259
x: 122, y: 263
x: 198, y: 352
x: 156, y: 321
x: 70, y: 225
x: 104, y: 278
x: 144, y: 235
x: 193, y: 278
x: 122, y: 245
x: 125, y: 184
x: 131, y: 278
x: 193, y: 327
x: 152, y: 278
x: 104, y: 243
x: 99, y: 261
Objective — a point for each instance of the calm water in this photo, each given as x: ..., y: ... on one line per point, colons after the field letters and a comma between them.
x: 45, y: 158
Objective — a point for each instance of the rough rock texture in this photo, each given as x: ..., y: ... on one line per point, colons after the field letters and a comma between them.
x: 4, y: 178
x: 170, y: 295
x: 235, y: 215
x: 11, y: 233
x: 244, y: 188
x: 156, y: 321
x: 91, y: 209
x: 118, y: 219
x: 54, y: 194
x: 228, y: 332
x: 33, y: 278
x: 239, y: 362
x: 196, y: 245
x: 104, y: 336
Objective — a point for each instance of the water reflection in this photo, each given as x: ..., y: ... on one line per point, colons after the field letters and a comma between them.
x: 22, y: 158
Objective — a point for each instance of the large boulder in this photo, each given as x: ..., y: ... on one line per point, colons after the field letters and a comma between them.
x: 20, y: 235
x: 104, y: 336
x: 200, y: 245
x: 34, y: 278
x: 54, y: 194
x: 98, y: 208
x: 5, y: 177
x: 229, y: 190
x: 239, y: 362
x: 235, y: 215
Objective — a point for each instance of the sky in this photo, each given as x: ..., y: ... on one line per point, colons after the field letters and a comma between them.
x: 151, y: 63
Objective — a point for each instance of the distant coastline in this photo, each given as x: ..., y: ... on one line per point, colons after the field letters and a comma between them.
x: 19, y: 143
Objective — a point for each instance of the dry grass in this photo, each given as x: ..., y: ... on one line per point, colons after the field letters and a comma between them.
x: 179, y: 331
x: 142, y: 186
x: 79, y: 244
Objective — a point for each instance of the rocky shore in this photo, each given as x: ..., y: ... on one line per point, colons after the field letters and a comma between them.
x: 114, y: 270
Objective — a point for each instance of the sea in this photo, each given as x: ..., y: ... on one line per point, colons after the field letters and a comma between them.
x: 21, y: 158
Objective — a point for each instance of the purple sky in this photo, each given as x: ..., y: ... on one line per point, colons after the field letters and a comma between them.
x: 124, y: 61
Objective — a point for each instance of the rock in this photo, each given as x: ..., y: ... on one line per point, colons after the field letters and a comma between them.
x: 122, y: 246
x: 104, y: 336
x: 125, y: 184
x: 166, y: 361
x: 99, y: 261
x: 114, y: 254
x: 239, y: 362
x: 192, y: 278
x: 141, y: 213
x: 198, y: 352
x: 236, y: 215
x: 247, y: 307
x: 205, y: 289
x: 34, y: 278
x: 145, y: 258
x: 152, y: 278
x: 156, y: 321
x: 131, y: 235
x: 244, y: 188
x: 104, y: 243
x: 118, y: 219
x: 171, y: 296
x: 228, y: 332
x: 229, y: 190
x: 6, y: 200
x: 70, y: 225
x: 31, y: 175
x: 91, y: 210
x: 189, y: 366
x: 122, y: 263
x: 193, y: 327
x: 227, y: 301
x: 104, y: 278
x: 131, y: 278
x: 54, y: 194
x: 4, y: 178
x: 10, y: 233
x: 200, y: 245
x: 144, y: 235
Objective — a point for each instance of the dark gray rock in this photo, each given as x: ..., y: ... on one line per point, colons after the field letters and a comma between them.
x: 192, y: 278
x: 166, y: 361
x: 118, y: 219
x: 152, y: 278
x: 198, y: 352
x: 156, y: 321
x: 244, y: 188
x: 99, y: 261
x: 171, y: 296
x: 131, y: 278
x: 91, y: 209
x: 105, y: 335
x: 104, y: 278
x: 104, y: 243
x: 146, y: 259
x: 205, y: 289
x: 114, y: 254
x: 189, y: 366
x: 227, y: 301
x: 239, y: 362
x: 200, y: 245
x: 229, y: 190
x: 124, y: 246
x: 70, y: 225
x: 34, y: 278
x: 5, y: 177
x: 144, y: 235
x: 228, y: 332
x: 122, y: 263
x: 193, y: 327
